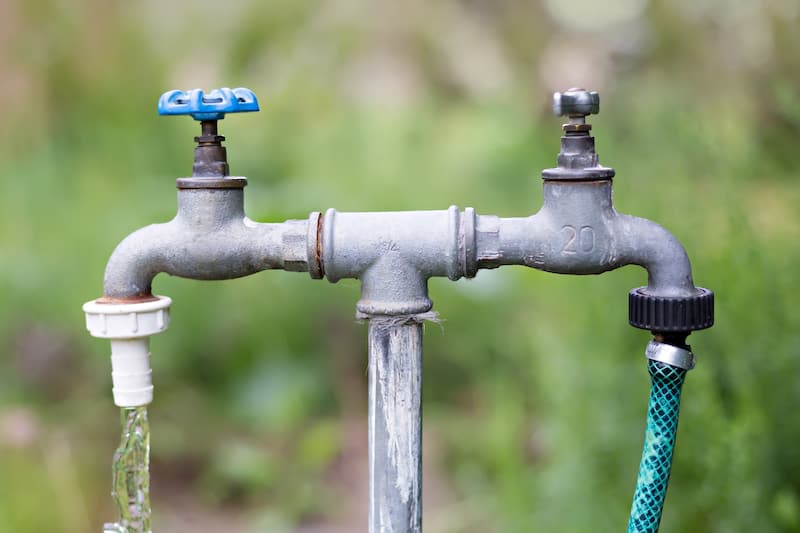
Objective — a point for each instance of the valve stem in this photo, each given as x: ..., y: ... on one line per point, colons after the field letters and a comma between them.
x: 577, y: 126
x: 576, y: 104
x: 210, y: 157
x: 577, y: 145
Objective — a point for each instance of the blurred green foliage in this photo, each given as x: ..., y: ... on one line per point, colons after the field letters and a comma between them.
x: 535, y: 388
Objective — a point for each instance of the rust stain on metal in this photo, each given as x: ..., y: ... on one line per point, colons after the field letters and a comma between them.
x: 135, y: 299
x: 318, y: 249
x: 579, y: 183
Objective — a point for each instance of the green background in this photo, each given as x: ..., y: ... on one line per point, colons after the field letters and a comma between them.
x: 535, y: 387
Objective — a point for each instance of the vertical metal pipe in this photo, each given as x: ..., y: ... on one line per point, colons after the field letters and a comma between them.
x: 395, y: 425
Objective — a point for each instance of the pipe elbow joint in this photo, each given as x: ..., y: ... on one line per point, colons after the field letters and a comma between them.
x: 134, y: 263
x: 648, y: 244
x: 670, y: 302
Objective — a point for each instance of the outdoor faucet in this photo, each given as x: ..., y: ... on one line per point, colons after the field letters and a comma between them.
x: 210, y: 238
x: 394, y: 254
x: 578, y: 231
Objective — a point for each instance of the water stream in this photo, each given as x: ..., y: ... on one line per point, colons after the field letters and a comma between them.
x: 131, y: 474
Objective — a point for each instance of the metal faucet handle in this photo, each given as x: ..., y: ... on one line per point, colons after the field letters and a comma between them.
x: 576, y: 102
x: 210, y: 157
x: 207, y: 106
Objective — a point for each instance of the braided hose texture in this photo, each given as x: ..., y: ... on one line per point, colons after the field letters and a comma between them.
x: 659, y: 442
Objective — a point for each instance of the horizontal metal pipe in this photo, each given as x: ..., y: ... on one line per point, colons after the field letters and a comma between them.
x: 426, y: 240
x: 577, y: 231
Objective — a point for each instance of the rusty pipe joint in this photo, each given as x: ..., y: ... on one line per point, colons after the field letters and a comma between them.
x: 210, y: 238
x: 395, y: 253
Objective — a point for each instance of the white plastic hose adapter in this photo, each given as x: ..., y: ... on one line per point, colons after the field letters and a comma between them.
x: 129, y: 327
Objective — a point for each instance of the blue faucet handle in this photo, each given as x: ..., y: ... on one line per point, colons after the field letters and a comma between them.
x: 207, y: 106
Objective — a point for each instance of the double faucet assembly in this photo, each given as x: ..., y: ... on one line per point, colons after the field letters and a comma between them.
x: 577, y: 231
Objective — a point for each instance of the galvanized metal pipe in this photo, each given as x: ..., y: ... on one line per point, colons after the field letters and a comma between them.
x: 578, y: 231
x: 394, y: 254
x: 210, y: 238
x: 395, y: 425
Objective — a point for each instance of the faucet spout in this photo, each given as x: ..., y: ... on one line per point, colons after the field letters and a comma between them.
x: 647, y: 244
x: 209, y: 239
x: 578, y: 231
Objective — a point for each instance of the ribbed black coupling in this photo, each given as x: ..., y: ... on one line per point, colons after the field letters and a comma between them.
x: 678, y: 313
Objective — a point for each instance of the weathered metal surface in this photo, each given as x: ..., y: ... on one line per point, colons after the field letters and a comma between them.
x: 394, y: 254
x: 210, y: 157
x: 210, y: 239
x: 395, y: 425
x: 126, y: 301
x: 576, y: 102
x: 314, y: 246
x: 211, y: 182
x: 576, y: 231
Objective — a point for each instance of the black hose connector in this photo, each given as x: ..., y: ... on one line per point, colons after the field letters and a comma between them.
x: 668, y: 314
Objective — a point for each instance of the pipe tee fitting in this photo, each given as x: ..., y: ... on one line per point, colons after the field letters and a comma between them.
x: 394, y: 254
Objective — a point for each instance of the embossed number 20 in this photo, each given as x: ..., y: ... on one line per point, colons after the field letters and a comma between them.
x: 578, y: 240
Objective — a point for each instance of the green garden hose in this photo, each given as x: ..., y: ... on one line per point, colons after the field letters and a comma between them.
x: 659, y: 442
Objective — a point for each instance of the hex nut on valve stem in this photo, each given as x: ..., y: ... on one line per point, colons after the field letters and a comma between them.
x: 129, y: 327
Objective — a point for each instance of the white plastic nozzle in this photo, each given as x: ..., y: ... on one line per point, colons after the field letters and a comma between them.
x: 129, y: 327
x: 131, y: 375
